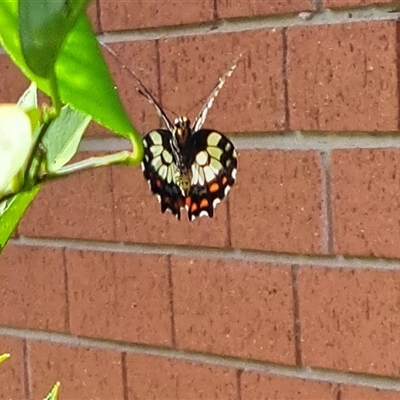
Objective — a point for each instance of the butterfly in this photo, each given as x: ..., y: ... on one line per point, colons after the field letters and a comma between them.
x: 187, y: 166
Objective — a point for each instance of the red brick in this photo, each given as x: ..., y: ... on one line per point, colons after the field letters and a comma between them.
x: 350, y: 319
x: 84, y: 373
x: 12, y: 82
x: 343, y: 77
x: 79, y: 206
x: 252, y: 98
x: 267, y: 387
x: 32, y: 288
x: 119, y: 296
x: 354, y: 3
x: 241, y: 309
x: 141, y: 58
x: 365, y: 202
x: 240, y: 8
x: 278, y: 202
x: 365, y: 393
x: 12, y: 377
x: 92, y: 12
x: 138, y: 216
x: 121, y: 15
x: 162, y: 378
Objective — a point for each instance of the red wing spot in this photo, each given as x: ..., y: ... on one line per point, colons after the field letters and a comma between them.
x: 224, y: 180
x: 193, y: 207
x: 214, y: 187
x: 158, y: 183
x: 188, y: 201
x: 167, y: 200
x: 204, y: 203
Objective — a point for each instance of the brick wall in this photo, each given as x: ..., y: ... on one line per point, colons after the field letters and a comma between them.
x: 293, y: 290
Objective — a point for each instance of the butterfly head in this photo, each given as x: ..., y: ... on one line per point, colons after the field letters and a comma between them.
x: 182, y: 129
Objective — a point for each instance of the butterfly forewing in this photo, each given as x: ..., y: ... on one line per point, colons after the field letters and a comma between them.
x: 160, y: 169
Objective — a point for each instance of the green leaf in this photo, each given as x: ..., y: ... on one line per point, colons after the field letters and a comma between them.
x: 53, y: 395
x: 4, y: 357
x: 83, y: 78
x: 43, y: 27
x: 11, y: 212
x: 63, y: 136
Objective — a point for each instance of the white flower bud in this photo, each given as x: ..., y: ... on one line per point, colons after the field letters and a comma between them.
x: 15, y: 143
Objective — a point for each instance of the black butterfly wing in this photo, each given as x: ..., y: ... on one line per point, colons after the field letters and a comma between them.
x: 213, y: 162
x: 160, y: 169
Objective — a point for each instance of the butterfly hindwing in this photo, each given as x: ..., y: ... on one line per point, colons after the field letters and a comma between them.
x: 160, y: 170
x: 213, y: 162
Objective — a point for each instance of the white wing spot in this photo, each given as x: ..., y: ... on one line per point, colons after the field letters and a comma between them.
x: 215, y: 165
x: 216, y: 202
x: 156, y: 137
x: 163, y: 171
x: 233, y: 173
x: 209, y: 173
x: 157, y: 163
x: 215, y: 152
x: 202, y: 158
x: 213, y: 139
x: 227, y: 189
x: 167, y: 156
x: 170, y: 175
x: 204, y: 213
x: 156, y: 150
x: 195, y: 174
x: 201, y: 177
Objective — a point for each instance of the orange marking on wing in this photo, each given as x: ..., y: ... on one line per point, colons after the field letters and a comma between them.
x: 204, y: 203
x: 188, y: 201
x: 193, y: 207
x: 224, y: 180
x: 214, y: 187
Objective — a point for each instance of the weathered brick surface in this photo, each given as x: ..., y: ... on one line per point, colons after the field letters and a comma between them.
x: 365, y: 202
x: 161, y: 378
x: 138, y: 216
x: 141, y: 58
x: 12, y: 82
x: 12, y: 377
x: 119, y: 296
x: 353, y: 3
x: 32, y: 288
x: 277, y: 204
x: 269, y: 387
x: 234, y: 308
x: 84, y: 373
x: 121, y: 15
x: 79, y: 206
x: 343, y: 77
x: 365, y: 393
x: 240, y: 8
x: 92, y: 12
x: 350, y: 319
x: 253, y: 97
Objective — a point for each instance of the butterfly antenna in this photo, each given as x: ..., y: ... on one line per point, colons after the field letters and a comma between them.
x: 201, y: 118
x: 141, y: 88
